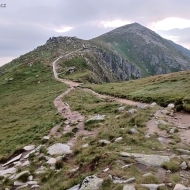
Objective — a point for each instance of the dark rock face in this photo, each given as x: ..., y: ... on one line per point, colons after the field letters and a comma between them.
x: 119, y: 66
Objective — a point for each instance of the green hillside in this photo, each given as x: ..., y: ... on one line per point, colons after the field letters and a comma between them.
x: 163, y: 89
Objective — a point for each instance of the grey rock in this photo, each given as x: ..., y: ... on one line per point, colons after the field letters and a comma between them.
x: 147, y: 136
x: 12, y: 160
x: 59, y: 148
x: 183, y: 166
x: 129, y: 187
x: 76, y: 187
x: 97, y: 118
x: 91, y: 183
x: 85, y: 145
x: 171, y: 106
x: 162, y: 122
x: 132, y: 111
x: 180, y: 187
x: 32, y: 182
x: 119, y: 139
x: 29, y: 147
x: 45, y: 138
x: 8, y: 171
x: 104, y: 141
x: 123, y: 181
x: 51, y: 161
x: 18, y: 183
x: 172, y: 130
x: 26, y: 163
x: 148, y: 160
x: 142, y: 106
x: 40, y: 170
x: 152, y: 186
x: 147, y: 174
x: 122, y: 108
x: 153, y: 104
x: 22, y: 187
x: 20, y: 174
x: 165, y: 112
x: 30, y: 178
x: 126, y: 166
x: 183, y: 151
x: 133, y: 131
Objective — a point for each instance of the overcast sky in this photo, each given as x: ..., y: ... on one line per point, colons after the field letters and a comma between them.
x: 26, y: 24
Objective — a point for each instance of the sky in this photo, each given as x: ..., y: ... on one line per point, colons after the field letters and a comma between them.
x: 26, y: 24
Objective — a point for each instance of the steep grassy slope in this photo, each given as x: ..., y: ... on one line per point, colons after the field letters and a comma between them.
x: 151, y: 53
x: 26, y: 105
x: 162, y: 89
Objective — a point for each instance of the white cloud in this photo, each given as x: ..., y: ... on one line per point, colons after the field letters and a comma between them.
x: 171, y: 23
x: 63, y: 29
x: 114, y: 23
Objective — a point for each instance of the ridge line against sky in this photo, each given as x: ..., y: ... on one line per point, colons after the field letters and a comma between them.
x: 26, y: 24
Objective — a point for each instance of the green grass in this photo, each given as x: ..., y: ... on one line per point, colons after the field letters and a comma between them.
x: 27, y: 112
x: 162, y: 89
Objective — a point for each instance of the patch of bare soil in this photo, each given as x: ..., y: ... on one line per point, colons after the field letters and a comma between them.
x: 180, y: 120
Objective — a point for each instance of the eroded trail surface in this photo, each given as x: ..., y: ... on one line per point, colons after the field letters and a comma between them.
x: 178, y: 123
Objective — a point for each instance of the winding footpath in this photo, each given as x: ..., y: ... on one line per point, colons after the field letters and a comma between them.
x: 74, y: 117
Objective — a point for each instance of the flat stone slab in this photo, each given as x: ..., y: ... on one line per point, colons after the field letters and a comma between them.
x: 180, y: 187
x: 91, y: 183
x: 59, y: 149
x: 148, y: 160
x: 8, y: 171
x: 12, y: 160
x: 76, y: 187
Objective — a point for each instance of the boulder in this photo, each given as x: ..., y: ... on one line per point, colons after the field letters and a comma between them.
x: 183, y: 151
x: 59, y: 149
x: 133, y: 131
x: 183, y: 166
x: 91, y: 183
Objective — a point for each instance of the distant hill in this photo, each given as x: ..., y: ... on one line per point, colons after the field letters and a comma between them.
x: 180, y: 48
x: 128, y: 52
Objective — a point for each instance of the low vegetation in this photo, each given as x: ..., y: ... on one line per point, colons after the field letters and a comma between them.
x: 27, y: 112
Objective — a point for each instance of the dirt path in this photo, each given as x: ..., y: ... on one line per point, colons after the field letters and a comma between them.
x: 180, y: 121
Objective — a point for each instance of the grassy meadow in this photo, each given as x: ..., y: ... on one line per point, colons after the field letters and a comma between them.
x: 162, y: 89
x: 27, y: 112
